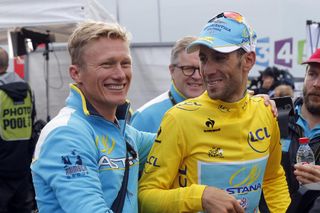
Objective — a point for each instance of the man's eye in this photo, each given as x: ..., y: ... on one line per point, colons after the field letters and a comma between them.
x: 219, y: 58
x: 126, y: 64
x: 187, y: 68
x: 107, y: 65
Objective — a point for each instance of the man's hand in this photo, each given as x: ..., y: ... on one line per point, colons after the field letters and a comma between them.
x: 307, y: 173
x: 218, y: 201
x: 267, y: 102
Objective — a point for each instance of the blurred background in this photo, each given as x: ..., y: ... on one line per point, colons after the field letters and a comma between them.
x: 288, y: 32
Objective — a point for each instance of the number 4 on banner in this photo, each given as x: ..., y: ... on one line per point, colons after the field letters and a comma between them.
x: 283, y: 52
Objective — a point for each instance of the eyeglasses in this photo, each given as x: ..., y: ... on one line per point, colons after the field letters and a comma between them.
x: 230, y: 15
x: 188, y: 70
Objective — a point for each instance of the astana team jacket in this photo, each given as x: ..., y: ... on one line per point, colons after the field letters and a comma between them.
x: 148, y: 117
x: 80, y: 157
x: 203, y: 142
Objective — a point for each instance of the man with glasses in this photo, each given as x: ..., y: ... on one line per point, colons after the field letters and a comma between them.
x: 216, y: 152
x: 186, y: 83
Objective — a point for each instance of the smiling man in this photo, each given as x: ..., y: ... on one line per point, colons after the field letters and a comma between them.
x: 216, y: 152
x: 186, y: 83
x: 87, y: 158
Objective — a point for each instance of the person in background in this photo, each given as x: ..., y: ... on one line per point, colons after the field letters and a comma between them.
x: 305, y: 123
x: 215, y: 153
x: 271, y: 78
x: 186, y: 83
x: 283, y: 90
x: 87, y: 158
x: 266, y: 82
x: 17, y: 113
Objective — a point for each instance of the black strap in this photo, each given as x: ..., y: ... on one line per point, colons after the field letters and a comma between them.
x: 172, y: 98
x: 118, y: 203
x: 285, y: 110
x: 315, y: 146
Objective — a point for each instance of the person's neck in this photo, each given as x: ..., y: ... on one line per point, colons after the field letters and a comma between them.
x: 311, y: 119
x: 108, y: 113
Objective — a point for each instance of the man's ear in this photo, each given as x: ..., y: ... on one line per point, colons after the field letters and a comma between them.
x: 74, y: 73
x: 250, y: 60
x: 171, y: 68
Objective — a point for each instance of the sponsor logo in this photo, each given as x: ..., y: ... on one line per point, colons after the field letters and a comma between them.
x: 245, y: 104
x: 189, y: 106
x: 152, y: 160
x: 107, y: 144
x: 208, y: 39
x: 73, y: 165
x: 158, y: 133
x: 183, y: 181
x: 257, y: 140
x: 244, y: 202
x: 245, y: 180
x: 216, y: 152
x: 106, y: 162
x: 151, y: 163
x: 210, y: 124
x: 223, y: 108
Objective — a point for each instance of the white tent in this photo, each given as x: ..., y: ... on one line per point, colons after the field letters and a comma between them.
x: 59, y: 17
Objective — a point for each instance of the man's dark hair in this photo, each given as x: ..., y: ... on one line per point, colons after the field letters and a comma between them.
x: 4, y: 60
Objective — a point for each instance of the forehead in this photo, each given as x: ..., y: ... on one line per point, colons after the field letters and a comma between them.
x: 106, y: 46
x: 315, y: 67
x: 208, y: 51
x: 183, y: 55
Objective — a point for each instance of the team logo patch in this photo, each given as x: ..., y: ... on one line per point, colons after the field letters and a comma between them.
x: 189, y: 106
x: 245, y: 180
x: 73, y: 165
x: 258, y: 139
x: 210, y: 124
x: 244, y: 202
x: 216, y: 152
x: 223, y: 108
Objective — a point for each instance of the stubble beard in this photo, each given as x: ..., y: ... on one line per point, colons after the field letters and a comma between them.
x: 314, y: 109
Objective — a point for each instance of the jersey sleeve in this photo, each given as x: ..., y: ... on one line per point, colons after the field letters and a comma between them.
x: 275, y: 186
x: 67, y: 164
x: 164, y: 160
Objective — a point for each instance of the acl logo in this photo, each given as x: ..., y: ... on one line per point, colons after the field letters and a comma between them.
x: 257, y: 140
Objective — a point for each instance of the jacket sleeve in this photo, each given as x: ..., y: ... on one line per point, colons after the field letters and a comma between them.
x: 144, y: 141
x: 68, y: 165
x: 155, y: 187
x: 275, y: 186
x: 141, y: 121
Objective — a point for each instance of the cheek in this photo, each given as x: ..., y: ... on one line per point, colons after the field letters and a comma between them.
x: 128, y: 75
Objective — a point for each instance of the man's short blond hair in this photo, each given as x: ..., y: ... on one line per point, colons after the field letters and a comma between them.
x: 93, y: 30
x: 180, y: 46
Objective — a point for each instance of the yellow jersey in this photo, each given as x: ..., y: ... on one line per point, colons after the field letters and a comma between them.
x: 203, y: 142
